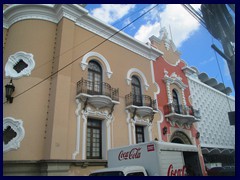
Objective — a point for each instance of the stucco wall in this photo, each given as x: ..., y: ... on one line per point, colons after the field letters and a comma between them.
x: 36, y: 37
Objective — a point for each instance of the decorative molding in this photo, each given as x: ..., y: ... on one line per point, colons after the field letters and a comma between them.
x: 188, y: 71
x: 174, y: 79
x: 17, y: 126
x: 77, y: 14
x: 14, y: 59
x: 128, y: 120
x: 106, y: 118
x: 140, y: 73
x: 78, y: 127
x: 84, y: 62
x: 139, y: 121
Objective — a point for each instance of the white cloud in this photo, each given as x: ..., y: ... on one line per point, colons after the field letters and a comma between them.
x: 146, y: 31
x: 182, y: 24
x: 110, y: 13
x: 204, y: 62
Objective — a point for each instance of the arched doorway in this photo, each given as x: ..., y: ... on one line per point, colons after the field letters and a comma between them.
x: 180, y: 137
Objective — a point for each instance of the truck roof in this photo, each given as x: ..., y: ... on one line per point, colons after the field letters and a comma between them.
x: 166, y: 146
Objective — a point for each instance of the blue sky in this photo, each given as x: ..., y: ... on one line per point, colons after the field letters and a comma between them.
x: 191, y: 39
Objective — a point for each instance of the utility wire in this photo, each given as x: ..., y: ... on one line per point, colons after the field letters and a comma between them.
x: 211, y: 28
x: 194, y: 14
x: 64, y: 52
x: 87, y: 52
x: 198, y: 17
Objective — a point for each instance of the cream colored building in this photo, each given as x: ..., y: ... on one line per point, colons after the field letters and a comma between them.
x: 81, y: 88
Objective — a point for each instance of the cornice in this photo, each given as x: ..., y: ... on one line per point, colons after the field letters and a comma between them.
x: 74, y: 12
x: 211, y: 88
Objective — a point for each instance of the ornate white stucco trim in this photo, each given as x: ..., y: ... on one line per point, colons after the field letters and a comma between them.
x: 106, y: 119
x: 17, y: 126
x: 140, y: 73
x: 174, y: 79
x: 129, y: 127
x: 78, y: 127
x: 77, y: 14
x: 138, y: 121
x: 84, y: 62
x: 14, y: 59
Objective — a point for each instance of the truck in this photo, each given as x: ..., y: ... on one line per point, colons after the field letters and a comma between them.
x: 152, y: 158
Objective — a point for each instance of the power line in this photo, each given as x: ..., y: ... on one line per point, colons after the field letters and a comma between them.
x: 195, y: 14
x: 87, y: 52
x: 64, y: 52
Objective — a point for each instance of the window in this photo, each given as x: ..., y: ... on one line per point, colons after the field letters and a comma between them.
x: 139, y: 134
x: 94, y: 139
x: 94, y: 78
x: 136, y: 174
x: 176, y: 104
x: 136, y: 91
x: 13, y: 133
x: 8, y: 135
x: 20, y: 66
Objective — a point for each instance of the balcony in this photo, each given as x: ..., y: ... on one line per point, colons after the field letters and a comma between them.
x: 181, y: 114
x: 140, y: 105
x: 98, y: 94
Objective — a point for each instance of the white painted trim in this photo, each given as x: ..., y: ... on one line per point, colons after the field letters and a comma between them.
x: 150, y: 132
x: 140, y: 73
x: 14, y: 59
x: 108, y: 133
x: 106, y: 119
x: 17, y: 126
x: 128, y: 120
x: 205, y: 85
x: 155, y: 83
x: 159, y: 130
x: 78, y: 127
x: 203, y: 145
x: 134, y: 132
x: 80, y: 16
x: 84, y: 116
x: 84, y: 62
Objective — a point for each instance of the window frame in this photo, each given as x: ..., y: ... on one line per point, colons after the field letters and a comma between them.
x: 142, y: 133
x: 136, y: 91
x: 91, y: 127
x: 176, y: 104
x: 92, y: 84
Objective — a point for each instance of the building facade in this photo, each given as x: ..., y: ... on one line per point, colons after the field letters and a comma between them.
x: 195, y: 107
x: 217, y: 134
x: 81, y: 88
x: 180, y: 117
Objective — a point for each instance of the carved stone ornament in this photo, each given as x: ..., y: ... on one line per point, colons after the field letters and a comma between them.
x: 13, y: 133
x: 27, y: 61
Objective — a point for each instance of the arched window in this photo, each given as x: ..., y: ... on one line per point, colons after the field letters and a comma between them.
x: 94, y: 78
x: 136, y: 91
x: 176, y: 104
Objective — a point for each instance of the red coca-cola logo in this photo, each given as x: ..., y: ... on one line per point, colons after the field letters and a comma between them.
x: 176, y: 172
x: 134, y: 153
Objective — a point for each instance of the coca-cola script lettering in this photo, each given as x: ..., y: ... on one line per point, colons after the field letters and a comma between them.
x: 176, y: 172
x: 134, y: 153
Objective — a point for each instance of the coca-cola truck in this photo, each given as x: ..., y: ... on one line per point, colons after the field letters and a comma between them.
x: 154, y: 159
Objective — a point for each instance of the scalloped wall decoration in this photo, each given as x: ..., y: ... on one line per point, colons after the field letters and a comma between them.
x: 13, y: 60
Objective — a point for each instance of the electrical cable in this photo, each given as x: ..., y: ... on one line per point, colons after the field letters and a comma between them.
x: 82, y: 55
x: 64, y: 52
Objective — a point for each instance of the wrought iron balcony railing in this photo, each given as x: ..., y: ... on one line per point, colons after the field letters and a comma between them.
x: 137, y: 100
x: 97, y: 88
x: 181, y: 109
